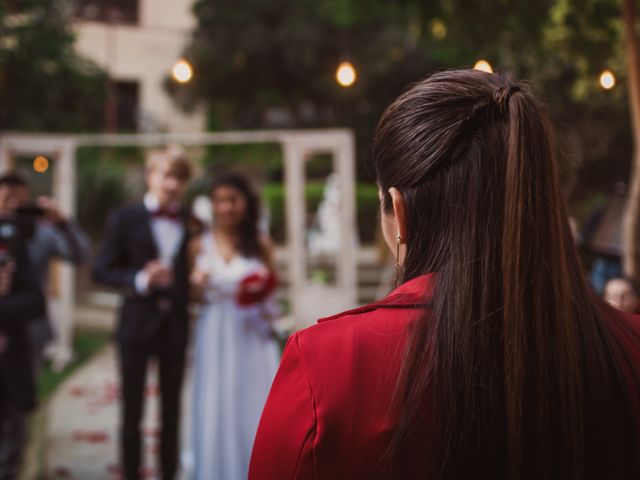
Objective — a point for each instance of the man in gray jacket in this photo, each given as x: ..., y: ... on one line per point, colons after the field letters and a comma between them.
x: 50, y: 235
x: 53, y: 236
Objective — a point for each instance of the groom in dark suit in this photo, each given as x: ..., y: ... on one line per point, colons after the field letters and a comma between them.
x: 144, y: 254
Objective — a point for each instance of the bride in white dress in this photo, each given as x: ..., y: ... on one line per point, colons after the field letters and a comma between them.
x: 236, y: 356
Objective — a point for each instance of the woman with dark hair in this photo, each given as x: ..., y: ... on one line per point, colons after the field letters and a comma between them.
x: 493, y: 359
x: 236, y: 356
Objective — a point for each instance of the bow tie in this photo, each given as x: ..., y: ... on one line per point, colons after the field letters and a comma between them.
x: 167, y: 213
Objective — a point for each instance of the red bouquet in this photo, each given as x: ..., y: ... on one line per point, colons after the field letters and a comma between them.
x: 255, y: 287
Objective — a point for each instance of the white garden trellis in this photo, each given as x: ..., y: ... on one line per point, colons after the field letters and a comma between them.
x: 308, y: 300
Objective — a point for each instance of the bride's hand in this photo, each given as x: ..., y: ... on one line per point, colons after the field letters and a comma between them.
x: 198, y: 281
x: 198, y: 278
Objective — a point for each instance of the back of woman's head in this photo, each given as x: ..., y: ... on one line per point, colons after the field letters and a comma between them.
x: 514, y: 362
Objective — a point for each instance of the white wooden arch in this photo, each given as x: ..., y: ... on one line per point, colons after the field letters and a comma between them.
x: 308, y: 301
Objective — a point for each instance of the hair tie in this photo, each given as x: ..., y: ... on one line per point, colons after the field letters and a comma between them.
x: 480, y: 113
x: 502, y: 96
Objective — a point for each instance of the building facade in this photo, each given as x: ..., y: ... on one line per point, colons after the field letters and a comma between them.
x: 138, y: 42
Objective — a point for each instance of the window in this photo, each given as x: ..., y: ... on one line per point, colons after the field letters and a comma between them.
x: 127, y: 95
x: 110, y: 11
x: 121, y: 107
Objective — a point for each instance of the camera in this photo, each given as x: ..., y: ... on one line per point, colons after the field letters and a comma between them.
x: 30, y: 211
x: 17, y: 228
x: 25, y: 218
x: 9, y: 241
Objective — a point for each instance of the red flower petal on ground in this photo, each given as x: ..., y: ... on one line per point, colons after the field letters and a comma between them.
x: 98, y: 437
x: 151, y: 432
x: 77, y: 391
x: 61, y: 471
x: 114, y: 469
x: 149, y: 472
x: 151, y: 390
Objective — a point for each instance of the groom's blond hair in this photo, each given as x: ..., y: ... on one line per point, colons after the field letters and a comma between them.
x: 173, y: 155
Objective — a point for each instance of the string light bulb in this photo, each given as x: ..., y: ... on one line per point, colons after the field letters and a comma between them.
x: 346, y: 74
x: 607, y: 79
x: 182, y: 71
x: 40, y: 164
x: 483, y: 66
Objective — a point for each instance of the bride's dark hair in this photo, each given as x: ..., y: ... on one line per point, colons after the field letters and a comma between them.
x: 249, y: 243
x: 517, y: 370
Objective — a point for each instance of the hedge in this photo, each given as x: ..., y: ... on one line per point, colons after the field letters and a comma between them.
x: 273, y: 196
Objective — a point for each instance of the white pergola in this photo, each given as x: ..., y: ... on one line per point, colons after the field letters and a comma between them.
x: 308, y: 300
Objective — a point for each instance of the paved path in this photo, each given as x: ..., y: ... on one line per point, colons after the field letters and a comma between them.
x: 83, y: 417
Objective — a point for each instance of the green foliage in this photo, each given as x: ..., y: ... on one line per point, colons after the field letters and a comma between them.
x: 274, y: 197
x: 367, y: 207
x: 262, y: 63
x: 267, y: 156
x: 275, y: 62
x: 103, y: 175
x: 44, y: 84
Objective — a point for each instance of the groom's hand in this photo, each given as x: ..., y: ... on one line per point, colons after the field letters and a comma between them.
x: 159, y: 274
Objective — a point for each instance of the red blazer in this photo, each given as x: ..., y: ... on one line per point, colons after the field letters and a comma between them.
x: 328, y: 412
x: 328, y: 415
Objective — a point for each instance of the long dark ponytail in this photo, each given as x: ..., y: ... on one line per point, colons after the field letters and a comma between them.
x: 514, y: 372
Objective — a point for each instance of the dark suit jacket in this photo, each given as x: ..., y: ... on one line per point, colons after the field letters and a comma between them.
x: 24, y: 303
x: 128, y: 246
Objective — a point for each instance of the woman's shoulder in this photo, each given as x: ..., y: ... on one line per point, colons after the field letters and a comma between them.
x: 345, y: 361
x: 195, y: 242
x: 626, y: 327
x: 365, y: 330
x: 198, y: 242
x: 266, y: 242
x: 388, y: 316
x: 267, y: 249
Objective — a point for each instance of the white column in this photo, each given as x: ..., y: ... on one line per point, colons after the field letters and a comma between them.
x: 63, y: 311
x: 344, y: 166
x: 295, y: 214
x: 311, y: 301
x: 61, y: 150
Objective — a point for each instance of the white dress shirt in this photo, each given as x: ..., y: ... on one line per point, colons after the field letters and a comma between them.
x: 167, y: 234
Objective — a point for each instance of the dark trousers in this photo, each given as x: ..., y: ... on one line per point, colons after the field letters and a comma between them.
x: 13, y: 437
x: 14, y: 422
x: 133, y: 371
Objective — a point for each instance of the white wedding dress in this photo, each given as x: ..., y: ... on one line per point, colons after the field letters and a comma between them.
x: 236, y: 359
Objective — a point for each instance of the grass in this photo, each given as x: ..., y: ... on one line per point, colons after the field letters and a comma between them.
x: 86, y: 343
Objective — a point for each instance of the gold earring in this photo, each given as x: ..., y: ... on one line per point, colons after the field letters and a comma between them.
x: 397, y: 266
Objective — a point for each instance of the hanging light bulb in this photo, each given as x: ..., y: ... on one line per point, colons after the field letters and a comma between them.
x: 182, y: 71
x: 483, y: 66
x: 346, y: 74
x: 40, y: 164
x: 607, y: 79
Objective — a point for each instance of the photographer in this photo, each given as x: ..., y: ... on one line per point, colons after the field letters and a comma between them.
x: 45, y: 234
x: 20, y: 301
x: 49, y: 235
